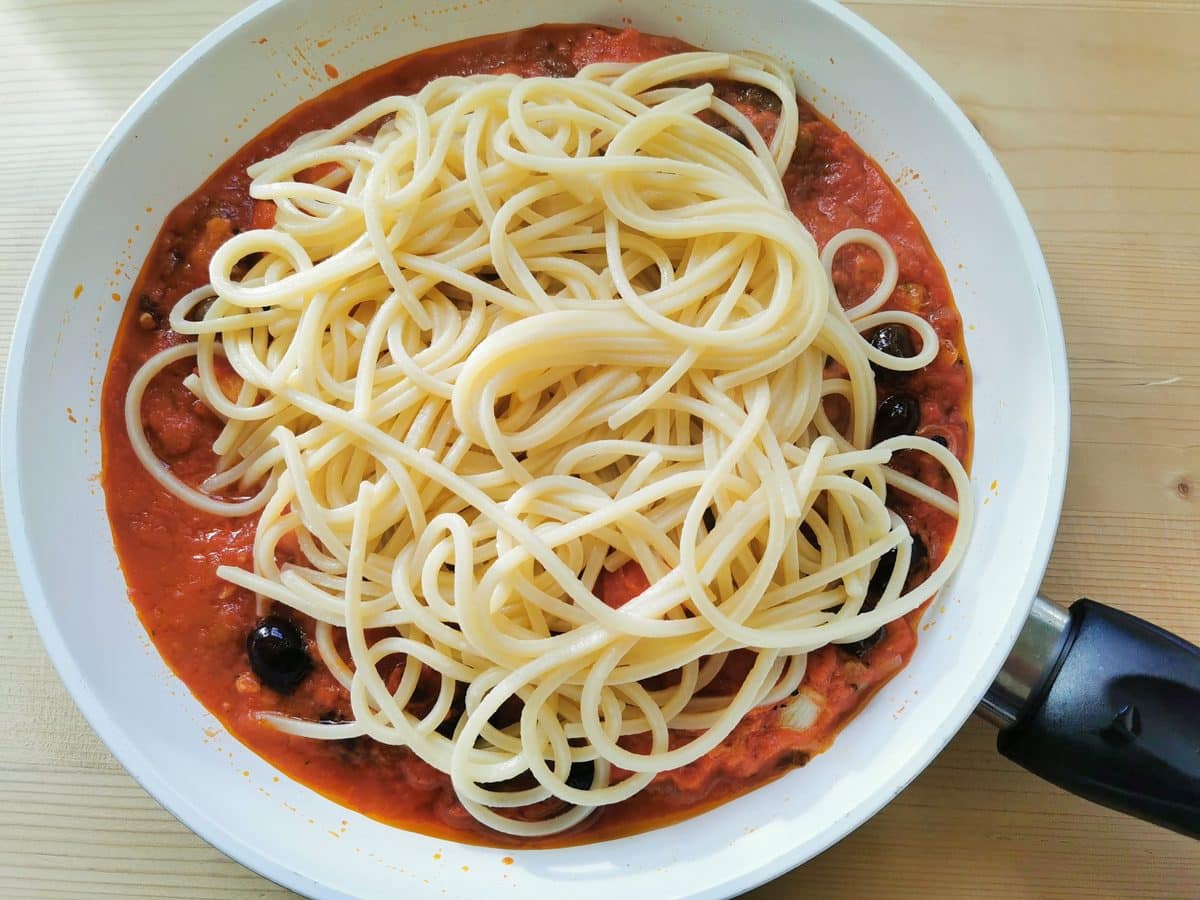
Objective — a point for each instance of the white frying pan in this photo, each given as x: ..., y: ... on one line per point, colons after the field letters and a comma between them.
x: 1109, y: 725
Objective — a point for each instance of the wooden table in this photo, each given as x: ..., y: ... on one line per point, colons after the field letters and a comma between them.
x: 1094, y: 109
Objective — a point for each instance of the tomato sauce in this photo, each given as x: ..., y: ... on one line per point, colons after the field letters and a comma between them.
x: 170, y: 552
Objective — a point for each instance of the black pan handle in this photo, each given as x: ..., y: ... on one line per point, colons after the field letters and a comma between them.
x: 1107, y: 706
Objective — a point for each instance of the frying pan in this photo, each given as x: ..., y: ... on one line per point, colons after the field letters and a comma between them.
x: 1097, y: 701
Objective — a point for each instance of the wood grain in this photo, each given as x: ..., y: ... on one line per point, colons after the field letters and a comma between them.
x: 1093, y: 107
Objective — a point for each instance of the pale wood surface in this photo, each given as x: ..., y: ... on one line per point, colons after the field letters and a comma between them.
x: 1094, y: 109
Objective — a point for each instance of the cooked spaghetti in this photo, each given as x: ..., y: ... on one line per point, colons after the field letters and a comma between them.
x: 507, y: 336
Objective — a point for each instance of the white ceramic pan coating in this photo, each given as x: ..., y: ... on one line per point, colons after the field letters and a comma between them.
x: 231, y: 85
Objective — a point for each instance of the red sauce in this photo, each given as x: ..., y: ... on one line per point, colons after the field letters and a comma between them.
x: 170, y: 552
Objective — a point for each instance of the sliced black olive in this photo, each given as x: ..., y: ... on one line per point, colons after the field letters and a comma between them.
x: 897, y: 414
x: 277, y: 654
x: 879, y: 580
x: 894, y: 340
x: 863, y: 647
x: 919, y: 555
x: 582, y: 775
x: 883, y: 571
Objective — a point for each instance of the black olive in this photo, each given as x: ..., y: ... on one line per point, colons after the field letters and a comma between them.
x: 897, y: 414
x: 883, y: 571
x: 277, y: 655
x: 879, y: 580
x: 582, y: 775
x: 863, y: 647
x: 894, y: 340
x: 919, y: 555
